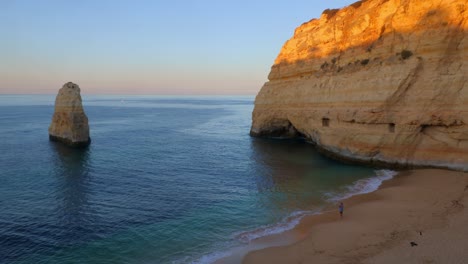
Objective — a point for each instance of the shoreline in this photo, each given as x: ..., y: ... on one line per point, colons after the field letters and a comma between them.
x: 295, y: 233
x: 378, y: 227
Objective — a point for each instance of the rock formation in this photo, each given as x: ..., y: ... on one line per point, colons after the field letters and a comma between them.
x: 379, y: 81
x: 69, y: 123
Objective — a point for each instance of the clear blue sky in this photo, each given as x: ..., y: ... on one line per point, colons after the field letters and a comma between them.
x: 146, y: 47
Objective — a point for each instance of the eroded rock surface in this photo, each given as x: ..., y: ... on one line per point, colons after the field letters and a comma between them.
x: 69, y: 123
x: 379, y: 81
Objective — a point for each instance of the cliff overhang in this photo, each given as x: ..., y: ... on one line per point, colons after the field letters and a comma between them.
x: 378, y: 82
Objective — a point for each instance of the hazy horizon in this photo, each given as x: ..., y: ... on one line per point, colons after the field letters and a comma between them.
x: 146, y: 47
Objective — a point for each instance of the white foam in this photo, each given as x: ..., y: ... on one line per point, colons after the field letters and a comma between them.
x: 363, y: 186
x: 246, y: 237
x: 212, y: 257
x: 359, y: 187
x: 286, y: 224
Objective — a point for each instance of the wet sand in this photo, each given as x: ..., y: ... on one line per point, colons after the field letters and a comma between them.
x: 426, y: 207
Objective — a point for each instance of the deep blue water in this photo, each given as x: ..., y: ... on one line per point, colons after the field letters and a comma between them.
x: 165, y: 180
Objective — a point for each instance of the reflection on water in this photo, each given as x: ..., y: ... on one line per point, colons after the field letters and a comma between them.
x: 282, y: 167
x: 72, y: 191
x: 294, y: 176
x: 281, y: 162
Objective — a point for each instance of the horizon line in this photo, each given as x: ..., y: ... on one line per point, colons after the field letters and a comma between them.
x: 1, y: 94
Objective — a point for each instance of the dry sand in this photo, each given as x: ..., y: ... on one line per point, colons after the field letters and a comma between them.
x: 421, y: 206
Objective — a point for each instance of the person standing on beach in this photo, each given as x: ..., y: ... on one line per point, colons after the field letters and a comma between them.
x: 341, y: 209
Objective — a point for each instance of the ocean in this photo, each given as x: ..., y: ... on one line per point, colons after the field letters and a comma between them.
x: 165, y: 180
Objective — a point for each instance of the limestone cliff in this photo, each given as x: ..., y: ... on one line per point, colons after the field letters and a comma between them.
x: 379, y: 81
x: 69, y: 123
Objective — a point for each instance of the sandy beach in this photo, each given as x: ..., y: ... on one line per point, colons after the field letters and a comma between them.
x: 426, y: 207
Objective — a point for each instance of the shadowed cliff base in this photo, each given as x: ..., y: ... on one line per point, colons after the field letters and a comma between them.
x: 397, y: 98
x: 290, y: 133
x: 68, y: 142
x: 281, y: 129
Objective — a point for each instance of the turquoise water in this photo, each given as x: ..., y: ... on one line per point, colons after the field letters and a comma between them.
x: 165, y: 180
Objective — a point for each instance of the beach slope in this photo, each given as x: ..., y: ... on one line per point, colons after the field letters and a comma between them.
x: 426, y: 207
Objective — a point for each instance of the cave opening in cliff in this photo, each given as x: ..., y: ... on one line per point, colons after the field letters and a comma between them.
x: 293, y: 132
x: 325, y: 122
x: 391, y: 128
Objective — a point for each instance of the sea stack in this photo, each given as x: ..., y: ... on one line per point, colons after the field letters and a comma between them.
x: 377, y: 82
x: 69, y: 123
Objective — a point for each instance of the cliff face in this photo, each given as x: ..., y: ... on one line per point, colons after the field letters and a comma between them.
x: 69, y: 123
x: 380, y: 81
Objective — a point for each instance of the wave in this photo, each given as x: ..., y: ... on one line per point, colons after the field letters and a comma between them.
x: 362, y: 186
x: 286, y: 224
x: 212, y: 257
x: 359, y: 187
x: 245, y: 237
x: 292, y: 220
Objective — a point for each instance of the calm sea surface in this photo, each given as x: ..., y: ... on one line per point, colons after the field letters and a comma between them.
x: 165, y: 180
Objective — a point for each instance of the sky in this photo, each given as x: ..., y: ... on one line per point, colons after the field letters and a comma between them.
x: 172, y: 47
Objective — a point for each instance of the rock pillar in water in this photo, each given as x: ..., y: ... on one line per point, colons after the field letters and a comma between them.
x: 69, y: 123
